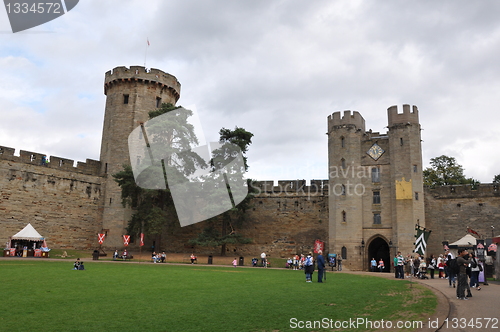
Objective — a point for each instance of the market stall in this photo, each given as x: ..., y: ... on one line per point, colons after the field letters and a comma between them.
x: 27, y: 242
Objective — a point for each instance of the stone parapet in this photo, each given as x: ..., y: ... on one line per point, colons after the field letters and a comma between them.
x: 90, y: 167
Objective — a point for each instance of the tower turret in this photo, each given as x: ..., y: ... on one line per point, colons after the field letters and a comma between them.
x: 130, y: 95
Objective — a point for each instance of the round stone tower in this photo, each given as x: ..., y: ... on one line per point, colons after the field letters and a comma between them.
x: 130, y: 95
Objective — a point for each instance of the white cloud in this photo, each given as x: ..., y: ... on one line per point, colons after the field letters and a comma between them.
x: 278, y: 69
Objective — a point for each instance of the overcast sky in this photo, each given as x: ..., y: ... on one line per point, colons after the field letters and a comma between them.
x: 275, y: 68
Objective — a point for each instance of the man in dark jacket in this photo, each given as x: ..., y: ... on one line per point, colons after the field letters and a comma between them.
x: 321, y: 265
x: 462, y: 262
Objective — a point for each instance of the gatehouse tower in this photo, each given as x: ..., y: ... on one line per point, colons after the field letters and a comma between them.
x: 376, y: 187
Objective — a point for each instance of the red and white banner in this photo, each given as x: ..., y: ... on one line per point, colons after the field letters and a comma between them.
x: 318, y: 245
x: 142, y: 239
x: 100, y: 238
x: 126, y: 240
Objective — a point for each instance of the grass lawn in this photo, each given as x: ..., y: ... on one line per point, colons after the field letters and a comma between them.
x: 50, y: 296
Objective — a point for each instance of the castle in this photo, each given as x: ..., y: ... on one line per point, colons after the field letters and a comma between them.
x: 368, y: 207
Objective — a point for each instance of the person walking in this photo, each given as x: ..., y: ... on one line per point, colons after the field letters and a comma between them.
x: 432, y: 266
x: 462, y: 262
x: 308, y: 267
x: 321, y: 265
x: 381, y: 265
x: 401, y: 263
x: 263, y: 259
x: 373, y: 265
x: 452, y: 275
x: 474, y: 267
x: 395, y: 265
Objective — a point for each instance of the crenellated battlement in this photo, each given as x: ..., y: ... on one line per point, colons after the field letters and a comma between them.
x: 142, y: 75
x: 348, y: 119
x: 409, y: 115
x: 292, y: 188
x: 464, y: 191
x: 90, y: 167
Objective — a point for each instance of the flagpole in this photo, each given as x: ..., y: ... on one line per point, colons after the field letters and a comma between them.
x: 146, y: 53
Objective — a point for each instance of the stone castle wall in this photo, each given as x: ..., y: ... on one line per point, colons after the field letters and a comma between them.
x: 284, y: 219
x: 62, y: 202
x: 450, y: 209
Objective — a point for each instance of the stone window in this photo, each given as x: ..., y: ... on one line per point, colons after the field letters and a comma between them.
x: 415, y: 168
x: 343, y: 190
x: 342, y: 142
x: 375, y: 174
x: 344, y: 252
x: 376, y: 219
x: 401, y: 141
x: 125, y: 99
x: 376, y: 197
x: 342, y: 163
x: 158, y: 102
x: 344, y: 216
x: 416, y: 196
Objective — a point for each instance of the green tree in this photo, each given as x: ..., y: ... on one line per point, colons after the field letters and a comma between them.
x: 445, y: 170
x: 175, y: 135
x: 496, y: 179
x: 232, y: 142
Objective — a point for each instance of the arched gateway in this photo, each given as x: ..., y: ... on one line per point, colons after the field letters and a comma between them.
x: 378, y: 248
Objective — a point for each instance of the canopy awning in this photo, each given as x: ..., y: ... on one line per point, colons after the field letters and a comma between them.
x: 467, y: 241
x: 28, y: 233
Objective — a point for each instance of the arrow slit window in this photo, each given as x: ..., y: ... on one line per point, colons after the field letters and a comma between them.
x: 375, y: 174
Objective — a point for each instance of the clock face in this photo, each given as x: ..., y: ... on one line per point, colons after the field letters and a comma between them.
x: 375, y: 151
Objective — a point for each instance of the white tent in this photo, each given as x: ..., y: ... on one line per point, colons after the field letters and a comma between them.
x: 26, y: 242
x: 467, y: 241
x: 28, y: 233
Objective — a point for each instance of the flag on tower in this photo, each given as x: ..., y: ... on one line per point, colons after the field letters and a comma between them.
x: 421, y: 241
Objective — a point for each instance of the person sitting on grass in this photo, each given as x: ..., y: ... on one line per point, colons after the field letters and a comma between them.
x: 255, y: 261
x: 77, y: 264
